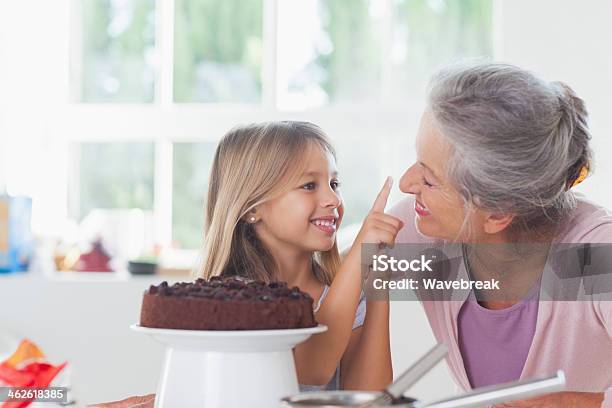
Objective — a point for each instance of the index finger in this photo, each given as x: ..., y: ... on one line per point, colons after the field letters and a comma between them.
x: 381, y: 200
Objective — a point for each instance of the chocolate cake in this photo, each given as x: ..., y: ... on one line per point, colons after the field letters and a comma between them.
x: 226, y: 304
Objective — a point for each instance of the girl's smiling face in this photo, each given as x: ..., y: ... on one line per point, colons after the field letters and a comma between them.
x: 307, y: 217
x: 438, y: 205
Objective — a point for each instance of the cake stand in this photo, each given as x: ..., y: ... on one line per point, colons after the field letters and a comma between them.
x: 227, y: 369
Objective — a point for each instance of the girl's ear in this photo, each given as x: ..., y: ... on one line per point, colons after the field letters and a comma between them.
x: 251, y: 216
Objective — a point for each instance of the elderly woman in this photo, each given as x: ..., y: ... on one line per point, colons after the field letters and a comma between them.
x: 498, y: 151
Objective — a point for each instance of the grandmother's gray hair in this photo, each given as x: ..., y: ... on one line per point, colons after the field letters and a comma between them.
x: 518, y: 141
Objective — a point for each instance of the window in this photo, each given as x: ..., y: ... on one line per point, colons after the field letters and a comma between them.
x: 191, y: 168
x: 193, y: 69
x: 117, y: 51
x: 429, y: 34
x: 113, y: 175
x: 218, y: 51
x: 328, y: 52
x: 360, y: 51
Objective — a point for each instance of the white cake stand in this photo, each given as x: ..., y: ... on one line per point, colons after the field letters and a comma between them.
x: 227, y: 369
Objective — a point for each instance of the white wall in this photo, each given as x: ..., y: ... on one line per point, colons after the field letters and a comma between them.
x: 33, y: 91
x: 569, y: 41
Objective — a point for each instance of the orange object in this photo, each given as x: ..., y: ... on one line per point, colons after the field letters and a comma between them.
x: 27, y: 351
x: 584, y: 172
x: 26, y: 368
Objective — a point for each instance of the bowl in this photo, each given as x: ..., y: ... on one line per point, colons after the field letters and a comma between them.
x: 337, y: 399
x: 142, y: 267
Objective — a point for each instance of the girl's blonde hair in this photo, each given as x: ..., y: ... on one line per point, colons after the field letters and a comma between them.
x: 253, y: 164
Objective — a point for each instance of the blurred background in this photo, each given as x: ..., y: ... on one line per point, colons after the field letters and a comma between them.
x: 110, y: 111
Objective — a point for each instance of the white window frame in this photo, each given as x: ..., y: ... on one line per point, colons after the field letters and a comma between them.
x: 164, y: 122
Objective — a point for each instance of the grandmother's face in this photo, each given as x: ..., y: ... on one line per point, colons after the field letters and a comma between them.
x: 438, y: 205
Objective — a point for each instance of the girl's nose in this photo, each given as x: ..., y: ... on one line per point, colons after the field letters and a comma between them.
x: 331, y: 199
x: 410, y: 182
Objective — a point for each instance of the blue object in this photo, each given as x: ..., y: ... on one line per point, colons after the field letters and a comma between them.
x: 16, y: 242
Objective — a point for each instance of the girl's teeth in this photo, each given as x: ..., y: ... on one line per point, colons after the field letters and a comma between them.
x: 326, y: 223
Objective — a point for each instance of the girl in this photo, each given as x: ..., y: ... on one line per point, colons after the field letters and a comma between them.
x: 273, y: 209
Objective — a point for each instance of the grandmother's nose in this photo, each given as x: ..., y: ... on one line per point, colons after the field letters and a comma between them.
x: 410, y: 182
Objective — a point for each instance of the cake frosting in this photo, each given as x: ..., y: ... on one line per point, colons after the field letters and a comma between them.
x: 226, y: 304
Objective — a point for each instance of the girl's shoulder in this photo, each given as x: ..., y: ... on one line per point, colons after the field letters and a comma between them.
x: 319, y: 302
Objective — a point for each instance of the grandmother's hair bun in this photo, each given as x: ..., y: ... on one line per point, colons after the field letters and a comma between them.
x: 573, y: 124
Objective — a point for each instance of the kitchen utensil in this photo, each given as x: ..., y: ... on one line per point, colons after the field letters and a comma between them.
x: 512, y: 391
x: 409, y: 377
x: 480, y: 397
x: 338, y: 399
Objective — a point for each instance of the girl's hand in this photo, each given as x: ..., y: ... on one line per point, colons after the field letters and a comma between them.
x: 145, y: 401
x: 378, y: 227
x: 559, y: 400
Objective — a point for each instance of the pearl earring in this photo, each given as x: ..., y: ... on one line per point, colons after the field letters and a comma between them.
x: 252, y: 219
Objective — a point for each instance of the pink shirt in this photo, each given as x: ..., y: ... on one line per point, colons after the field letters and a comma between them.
x: 573, y: 336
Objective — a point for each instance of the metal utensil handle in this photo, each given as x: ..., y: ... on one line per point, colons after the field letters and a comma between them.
x: 417, y: 370
x: 502, y: 393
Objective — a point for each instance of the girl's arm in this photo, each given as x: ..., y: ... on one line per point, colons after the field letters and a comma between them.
x: 366, y: 364
x: 317, y: 358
